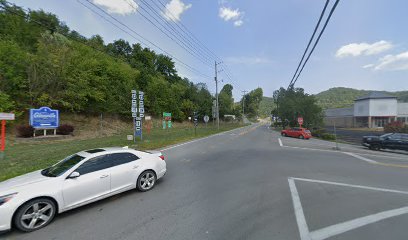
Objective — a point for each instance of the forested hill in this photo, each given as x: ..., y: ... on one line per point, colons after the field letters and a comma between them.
x: 344, y: 97
x: 45, y: 63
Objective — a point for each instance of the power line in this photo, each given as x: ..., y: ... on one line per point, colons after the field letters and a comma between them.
x: 193, y: 38
x: 164, y: 32
x: 317, y: 40
x: 139, y: 35
x: 156, y: 10
x: 310, y: 41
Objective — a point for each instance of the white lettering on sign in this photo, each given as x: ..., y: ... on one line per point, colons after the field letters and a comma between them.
x: 44, y: 115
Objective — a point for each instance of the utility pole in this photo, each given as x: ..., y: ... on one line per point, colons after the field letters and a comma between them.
x: 243, y: 102
x: 216, y: 94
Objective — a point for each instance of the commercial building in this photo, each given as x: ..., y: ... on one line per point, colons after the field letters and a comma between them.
x: 373, y: 110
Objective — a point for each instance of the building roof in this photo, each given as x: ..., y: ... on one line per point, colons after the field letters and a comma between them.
x: 375, y: 95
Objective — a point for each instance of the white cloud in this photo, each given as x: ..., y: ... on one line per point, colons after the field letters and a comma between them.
x: 122, y: 7
x: 392, y: 62
x: 369, y: 66
x: 238, y: 23
x: 357, y: 49
x: 174, y: 9
x: 229, y: 14
x: 248, y: 60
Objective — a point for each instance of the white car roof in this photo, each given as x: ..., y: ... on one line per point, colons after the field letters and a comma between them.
x: 105, y: 150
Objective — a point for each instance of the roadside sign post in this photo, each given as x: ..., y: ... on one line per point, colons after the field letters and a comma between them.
x: 167, y: 120
x: 3, y: 118
x: 137, y: 113
x: 44, y: 118
x: 300, y: 121
x: 206, y: 119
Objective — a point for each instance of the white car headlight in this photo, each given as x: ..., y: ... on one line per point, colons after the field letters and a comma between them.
x: 6, y: 198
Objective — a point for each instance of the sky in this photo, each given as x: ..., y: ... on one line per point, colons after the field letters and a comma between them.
x: 364, y: 46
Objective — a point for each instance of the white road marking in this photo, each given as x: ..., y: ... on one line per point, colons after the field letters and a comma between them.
x: 352, y: 185
x: 343, y: 227
x: 360, y: 157
x: 300, y: 216
x: 280, y: 142
x: 340, y: 228
x: 196, y: 140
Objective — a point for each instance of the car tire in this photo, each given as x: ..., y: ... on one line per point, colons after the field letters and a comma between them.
x: 375, y: 147
x: 284, y: 134
x: 35, y: 214
x: 301, y: 137
x: 146, y: 181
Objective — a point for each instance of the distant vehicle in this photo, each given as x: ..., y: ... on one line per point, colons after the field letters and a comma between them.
x: 396, y: 141
x: 301, y: 133
x: 31, y: 201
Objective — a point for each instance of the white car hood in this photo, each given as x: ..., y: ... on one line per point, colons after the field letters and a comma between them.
x: 8, y: 186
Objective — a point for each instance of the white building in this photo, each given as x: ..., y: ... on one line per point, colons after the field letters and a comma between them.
x: 373, y: 110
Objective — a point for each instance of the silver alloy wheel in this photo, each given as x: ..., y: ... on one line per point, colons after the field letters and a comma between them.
x: 37, y: 215
x: 147, y: 181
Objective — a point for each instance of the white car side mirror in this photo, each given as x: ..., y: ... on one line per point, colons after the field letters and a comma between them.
x: 74, y: 175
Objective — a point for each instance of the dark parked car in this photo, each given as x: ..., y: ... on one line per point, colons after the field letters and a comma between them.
x: 398, y: 141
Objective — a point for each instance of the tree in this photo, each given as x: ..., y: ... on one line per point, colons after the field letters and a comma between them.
x: 252, y: 101
x: 294, y: 103
x: 226, y: 101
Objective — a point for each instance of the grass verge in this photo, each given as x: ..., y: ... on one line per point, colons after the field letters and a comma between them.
x: 25, y: 157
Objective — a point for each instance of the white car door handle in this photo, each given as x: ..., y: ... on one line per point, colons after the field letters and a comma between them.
x: 134, y: 167
x: 104, y: 176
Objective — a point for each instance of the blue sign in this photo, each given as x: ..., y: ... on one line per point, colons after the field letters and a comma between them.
x: 44, y: 117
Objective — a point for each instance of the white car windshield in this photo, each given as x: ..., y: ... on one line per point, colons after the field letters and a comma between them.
x: 63, y: 166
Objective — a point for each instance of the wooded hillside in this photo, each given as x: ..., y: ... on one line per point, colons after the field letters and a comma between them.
x: 344, y: 97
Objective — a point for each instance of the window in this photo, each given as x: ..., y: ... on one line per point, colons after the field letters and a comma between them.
x: 95, y: 164
x: 122, y: 158
x: 396, y: 136
x: 63, y: 166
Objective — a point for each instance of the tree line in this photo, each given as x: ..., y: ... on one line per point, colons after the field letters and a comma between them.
x: 45, y: 63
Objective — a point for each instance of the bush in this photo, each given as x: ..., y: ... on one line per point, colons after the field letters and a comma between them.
x: 396, y: 127
x: 328, y: 136
x: 65, y: 129
x: 318, y: 132
x: 25, y: 131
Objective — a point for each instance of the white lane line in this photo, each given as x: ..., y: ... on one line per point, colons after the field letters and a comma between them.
x: 196, y: 140
x: 340, y: 228
x: 360, y: 157
x: 300, y: 216
x: 280, y: 142
x: 352, y: 185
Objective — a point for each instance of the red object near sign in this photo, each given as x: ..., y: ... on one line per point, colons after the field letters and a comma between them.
x: 300, y: 121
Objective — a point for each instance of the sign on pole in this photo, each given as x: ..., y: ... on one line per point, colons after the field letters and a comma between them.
x: 166, y: 120
x: 206, y: 118
x: 137, y: 113
x: 300, y: 121
x: 7, y: 116
x: 44, y: 118
x: 3, y: 118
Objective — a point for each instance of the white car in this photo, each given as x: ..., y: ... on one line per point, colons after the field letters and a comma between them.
x: 31, y: 201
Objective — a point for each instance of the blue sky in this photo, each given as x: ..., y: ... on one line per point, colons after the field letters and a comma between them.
x: 365, y: 45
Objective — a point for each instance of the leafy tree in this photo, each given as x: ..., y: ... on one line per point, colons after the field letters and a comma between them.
x: 294, y: 103
x: 252, y: 101
x: 226, y: 100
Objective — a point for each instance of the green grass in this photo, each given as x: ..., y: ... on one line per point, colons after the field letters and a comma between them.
x: 29, y: 156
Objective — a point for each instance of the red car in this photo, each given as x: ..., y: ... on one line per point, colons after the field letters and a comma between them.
x: 301, y: 133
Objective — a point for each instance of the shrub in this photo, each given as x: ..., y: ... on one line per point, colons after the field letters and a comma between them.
x: 396, y: 127
x: 318, y: 132
x: 25, y: 131
x: 328, y: 136
x: 65, y: 129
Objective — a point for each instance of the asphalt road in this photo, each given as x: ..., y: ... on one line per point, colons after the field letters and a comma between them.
x: 252, y: 184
